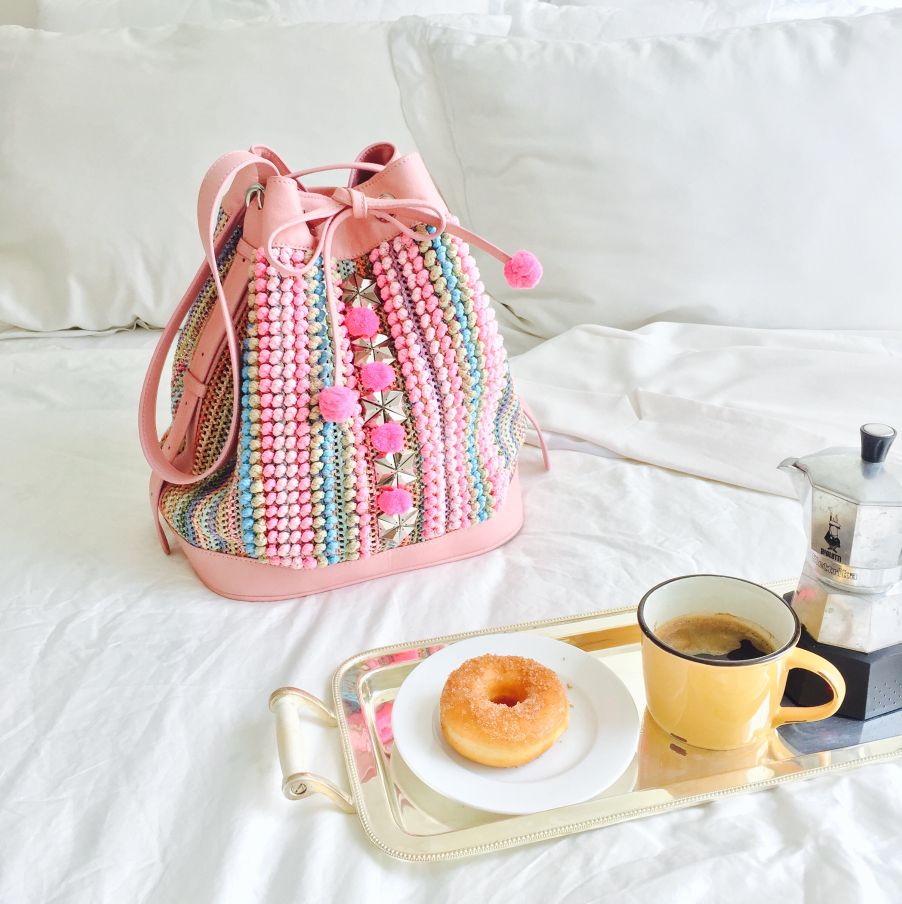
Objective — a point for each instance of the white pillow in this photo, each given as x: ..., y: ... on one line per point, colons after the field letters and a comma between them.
x: 779, y: 10
x: 607, y: 21
x: 83, y: 15
x: 107, y: 136
x: 748, y: 177
x: 19, y: 12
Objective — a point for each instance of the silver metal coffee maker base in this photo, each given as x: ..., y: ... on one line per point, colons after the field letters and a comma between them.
x: 865, y: 622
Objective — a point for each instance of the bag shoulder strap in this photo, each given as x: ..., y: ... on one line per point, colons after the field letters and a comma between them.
x: 214, y: 187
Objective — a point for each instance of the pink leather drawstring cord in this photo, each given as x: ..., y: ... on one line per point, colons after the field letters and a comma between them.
x: 350, y: 203
x: 345, y: 204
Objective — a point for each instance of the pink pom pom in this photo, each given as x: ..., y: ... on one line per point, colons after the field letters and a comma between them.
x: 388, y: 437
x: 377, y: 376
x: 523, y: 270
x: 395, y: 501
x: 337, y: 403
x: 361, y: 322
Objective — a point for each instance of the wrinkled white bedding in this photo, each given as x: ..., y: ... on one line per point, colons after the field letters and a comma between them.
x: 138, y: 761
x: 721, y: 402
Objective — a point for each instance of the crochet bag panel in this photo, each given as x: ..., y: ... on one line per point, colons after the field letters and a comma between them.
x: 430, y: 448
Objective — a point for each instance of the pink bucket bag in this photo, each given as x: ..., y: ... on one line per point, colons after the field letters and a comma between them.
x: 342, y: 406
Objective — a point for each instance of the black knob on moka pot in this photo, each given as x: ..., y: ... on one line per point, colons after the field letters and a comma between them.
x: 875, y: 442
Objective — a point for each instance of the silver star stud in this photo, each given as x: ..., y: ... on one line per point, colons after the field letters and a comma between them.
x: 396, y: 470
x: 360, y: 291
x: 383, y: 406
x: 395, y: 529
x: 374, y: 348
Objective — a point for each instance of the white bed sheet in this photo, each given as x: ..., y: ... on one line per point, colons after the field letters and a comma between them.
x: 138, y: 756
x: 726, y: 403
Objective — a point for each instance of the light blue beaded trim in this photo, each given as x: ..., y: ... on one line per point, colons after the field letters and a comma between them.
x: 330, y: 435
x: 470, y: 352
x: 245, y: 498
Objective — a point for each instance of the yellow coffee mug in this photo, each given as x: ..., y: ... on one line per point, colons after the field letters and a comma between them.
x: 720, y: 704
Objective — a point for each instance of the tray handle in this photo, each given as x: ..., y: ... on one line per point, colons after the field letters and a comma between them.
x: 286, y: 704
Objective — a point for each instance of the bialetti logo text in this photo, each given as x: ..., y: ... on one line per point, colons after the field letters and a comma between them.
x: 831, y: 538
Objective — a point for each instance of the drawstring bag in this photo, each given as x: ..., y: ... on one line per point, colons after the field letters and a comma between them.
x: 342, y: 406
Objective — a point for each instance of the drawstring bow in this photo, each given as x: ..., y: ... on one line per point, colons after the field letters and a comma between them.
x: 522, y: 270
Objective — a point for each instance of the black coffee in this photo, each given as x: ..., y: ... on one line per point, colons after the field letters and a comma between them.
x: 717, y: 636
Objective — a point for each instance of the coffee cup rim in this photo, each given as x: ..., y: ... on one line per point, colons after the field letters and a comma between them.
x: 718, y: 663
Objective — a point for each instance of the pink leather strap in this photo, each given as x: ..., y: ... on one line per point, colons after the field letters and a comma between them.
x: 206, y: 355
x: 345, y: 203
x: 541, y: 436
x: 261, y: 150
x: 213, y: 189
x: 471, y: 238
x: 387, y: 204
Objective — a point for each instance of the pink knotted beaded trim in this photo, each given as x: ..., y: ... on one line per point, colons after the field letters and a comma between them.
x: 424, y: 407
x: 429, y: 291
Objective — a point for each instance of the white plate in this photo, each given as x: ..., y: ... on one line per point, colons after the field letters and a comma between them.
x: 589, y: 756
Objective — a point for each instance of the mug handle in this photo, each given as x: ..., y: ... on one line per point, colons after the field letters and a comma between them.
x: 811, y: 662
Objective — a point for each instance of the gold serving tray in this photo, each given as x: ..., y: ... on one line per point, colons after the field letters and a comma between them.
x: 406, y: 819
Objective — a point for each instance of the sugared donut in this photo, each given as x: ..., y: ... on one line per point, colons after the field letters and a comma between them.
x: 503, y: 710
